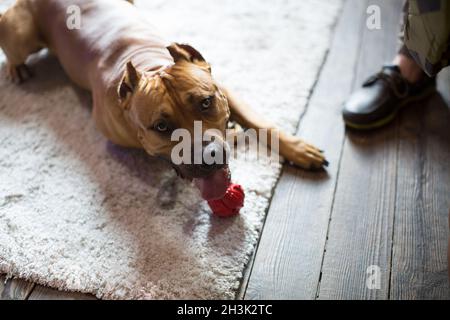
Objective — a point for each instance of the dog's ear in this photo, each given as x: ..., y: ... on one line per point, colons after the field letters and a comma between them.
x: 186, y: 52
x: 129, y: 82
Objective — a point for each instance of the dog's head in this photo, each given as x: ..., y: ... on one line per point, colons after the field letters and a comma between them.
x: 171, y: 104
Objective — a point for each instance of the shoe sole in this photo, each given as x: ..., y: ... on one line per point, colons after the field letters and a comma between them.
x: 382, y: 122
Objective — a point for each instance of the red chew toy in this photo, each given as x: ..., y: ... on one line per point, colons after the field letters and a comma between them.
x: 230, y: 204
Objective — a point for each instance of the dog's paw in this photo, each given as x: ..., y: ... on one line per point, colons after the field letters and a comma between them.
x: 18, y: 74
x: 305, y: 155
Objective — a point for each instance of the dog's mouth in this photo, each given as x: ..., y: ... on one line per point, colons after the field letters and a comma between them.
x: 214, y: 186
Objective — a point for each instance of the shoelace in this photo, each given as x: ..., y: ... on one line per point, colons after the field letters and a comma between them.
x: 392, y: 82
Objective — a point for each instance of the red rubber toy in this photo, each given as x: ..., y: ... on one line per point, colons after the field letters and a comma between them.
x: 230, y: 204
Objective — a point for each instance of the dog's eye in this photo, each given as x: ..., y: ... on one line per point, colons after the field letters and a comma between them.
x: 161, y: 126
x: 206, y: 103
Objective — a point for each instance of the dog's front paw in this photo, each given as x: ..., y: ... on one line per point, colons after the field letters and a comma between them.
x: 304, y: 155
x: 18, y: 74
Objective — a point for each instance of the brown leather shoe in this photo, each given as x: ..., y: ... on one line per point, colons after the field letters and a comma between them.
x: 381, y: 97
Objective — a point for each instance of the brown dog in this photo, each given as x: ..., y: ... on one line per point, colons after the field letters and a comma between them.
x: 142, y: 88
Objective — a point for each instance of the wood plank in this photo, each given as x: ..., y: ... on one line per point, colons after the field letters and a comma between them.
x: 360, y: 233
x: 419, y: 267
x: 46, y: 293
x: 240, y: 295
x: 288, y: 260
x: 14, y: 289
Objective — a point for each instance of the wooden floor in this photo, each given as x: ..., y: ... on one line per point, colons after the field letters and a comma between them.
x: 384, y: 201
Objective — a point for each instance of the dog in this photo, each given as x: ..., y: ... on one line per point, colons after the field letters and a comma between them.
x: 143, y: 87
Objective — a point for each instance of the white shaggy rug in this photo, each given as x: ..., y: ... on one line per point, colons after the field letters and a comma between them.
x: 78, y: 213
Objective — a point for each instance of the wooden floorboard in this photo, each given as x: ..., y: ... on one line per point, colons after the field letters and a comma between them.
x: 18, y: 289
x: 288, y: 259
x: 419, y: 267
x: 46, y: 293
x: 360, y: 233
x: 14, y: 289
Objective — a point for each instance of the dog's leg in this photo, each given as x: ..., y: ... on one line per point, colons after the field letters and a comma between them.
x: 19, y: 37
x: 18, y: 73
x: 292, y: 148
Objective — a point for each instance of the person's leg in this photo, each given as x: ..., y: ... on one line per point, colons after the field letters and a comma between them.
x: 409, y: 69
x: 383, y: 94
x: 426, y: 34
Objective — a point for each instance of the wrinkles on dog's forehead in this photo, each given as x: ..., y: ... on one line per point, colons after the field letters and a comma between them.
x: 152, y: 93
x: 184, y: 78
